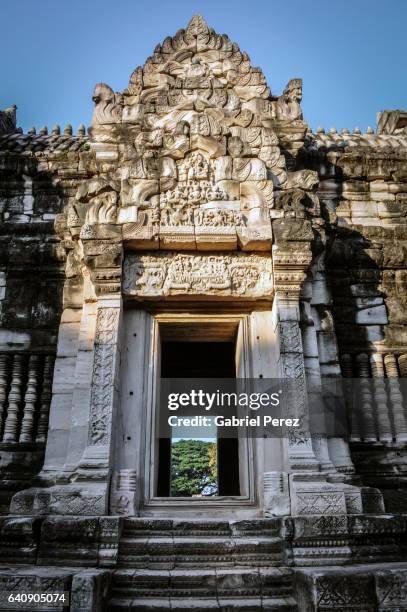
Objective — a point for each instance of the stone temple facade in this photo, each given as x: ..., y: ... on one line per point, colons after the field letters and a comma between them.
x: 200, y: 206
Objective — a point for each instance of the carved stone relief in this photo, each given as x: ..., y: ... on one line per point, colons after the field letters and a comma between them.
x: 103, y: 375
x: 169, y: 274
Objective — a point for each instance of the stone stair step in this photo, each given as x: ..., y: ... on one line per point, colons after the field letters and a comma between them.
x: 222, y: 582
x: 203, y: 604
x: 165, y: 527
x: 166, y: 543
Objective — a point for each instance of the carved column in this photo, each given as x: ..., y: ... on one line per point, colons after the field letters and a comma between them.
x: 4, y: 369
x: 30, y: 399
x: 300, y: 451
x: 396, y: 399
x: 380, y: 395
x: 14, y: 400
x: 45, y: 399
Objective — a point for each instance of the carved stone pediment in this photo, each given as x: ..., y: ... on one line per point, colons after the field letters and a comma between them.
x: 192, y: 156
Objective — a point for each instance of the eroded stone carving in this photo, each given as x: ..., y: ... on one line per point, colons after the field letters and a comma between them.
x: 123, y: 490
x: 169, y: 274
x: 108, y: 107
x: 103, y: 375
x: 288, y: 104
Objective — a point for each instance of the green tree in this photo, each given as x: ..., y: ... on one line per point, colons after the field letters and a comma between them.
x: 193, y: 468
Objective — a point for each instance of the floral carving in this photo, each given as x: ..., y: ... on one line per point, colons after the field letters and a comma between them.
x: 103, y: 375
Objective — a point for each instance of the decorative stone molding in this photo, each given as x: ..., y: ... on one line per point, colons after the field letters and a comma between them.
x: 69, y: 499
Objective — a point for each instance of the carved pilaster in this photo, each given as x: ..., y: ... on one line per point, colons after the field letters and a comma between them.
x: 396, y: 399
x: 45, y: 399
x: 103, y: 377
x: 292, y: 367
x: 14, y: 400
x: 97, y: 455
x: 30, y: 399
x: 4, y: 372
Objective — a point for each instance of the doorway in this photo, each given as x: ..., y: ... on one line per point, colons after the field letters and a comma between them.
x: 207, y: 465
x: 137, y: 426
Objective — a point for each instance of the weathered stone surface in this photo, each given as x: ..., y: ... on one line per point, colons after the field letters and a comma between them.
x: 228, y: 200
x: 237, y: 275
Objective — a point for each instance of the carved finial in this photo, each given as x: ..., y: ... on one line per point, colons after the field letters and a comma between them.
x: 81, y: 130
x: 197, y: 26
x: 32, y: 130
x: 345, y: 131
x: 357, y: 130
x: 68, y: 129
x: 44, y: 131
x: 370, y: 130
x: 333, y: 130
x: 320, y: 130
x: 56, y: 129
x: 8, y: 118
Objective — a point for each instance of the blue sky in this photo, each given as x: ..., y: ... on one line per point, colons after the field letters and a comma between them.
x: 351, y: 54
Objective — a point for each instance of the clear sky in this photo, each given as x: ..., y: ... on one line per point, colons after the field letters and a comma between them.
x: 351, y: 54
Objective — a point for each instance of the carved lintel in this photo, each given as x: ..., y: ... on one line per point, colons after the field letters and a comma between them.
x: 169, y: 274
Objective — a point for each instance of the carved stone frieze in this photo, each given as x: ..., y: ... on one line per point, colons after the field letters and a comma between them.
x: 170, y: 274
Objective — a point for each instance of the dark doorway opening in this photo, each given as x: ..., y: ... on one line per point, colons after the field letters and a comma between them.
x: 186, y: 359
x: 197, y: 360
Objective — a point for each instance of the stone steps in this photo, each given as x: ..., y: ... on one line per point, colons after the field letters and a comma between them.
x: 168, y: 553
x: 167, y: 544
x: 201, y: 605
x: 203, y: 589
x: 224, y: 582
x: 201, y: 565
x: 163, y: 527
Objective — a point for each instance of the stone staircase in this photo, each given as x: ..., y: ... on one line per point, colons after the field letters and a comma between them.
x: 201, y: 565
